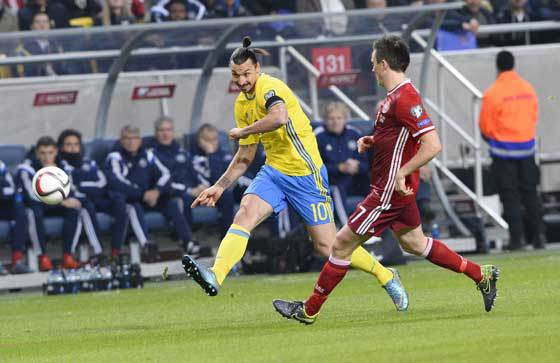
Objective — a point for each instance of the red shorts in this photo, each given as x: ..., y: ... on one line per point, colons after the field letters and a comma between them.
x: 371, y: 218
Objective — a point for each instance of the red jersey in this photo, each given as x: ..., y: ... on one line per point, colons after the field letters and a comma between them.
x: 401, y: 120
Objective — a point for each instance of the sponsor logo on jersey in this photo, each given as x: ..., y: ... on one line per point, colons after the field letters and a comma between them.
x: 143, y: 163
x: 424, y: 122
x: 269, y: 94
x: 416, y: 111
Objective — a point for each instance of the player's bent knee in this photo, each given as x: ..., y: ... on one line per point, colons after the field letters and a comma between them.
x: 415, y: 246
x: 322, y: 247
x: 246, y: 216
x: 342, y: 249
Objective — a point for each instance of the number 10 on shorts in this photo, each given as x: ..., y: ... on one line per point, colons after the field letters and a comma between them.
x: 322, y: 211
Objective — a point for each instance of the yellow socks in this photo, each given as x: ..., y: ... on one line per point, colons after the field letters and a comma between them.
x: 363, y: 260
x: 231, y: 251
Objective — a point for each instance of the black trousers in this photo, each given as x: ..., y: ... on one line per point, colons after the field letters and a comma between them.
x: 517, y: 180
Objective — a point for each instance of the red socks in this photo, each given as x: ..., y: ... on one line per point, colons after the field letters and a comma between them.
x: 333, y: 272
x: 439, y: 254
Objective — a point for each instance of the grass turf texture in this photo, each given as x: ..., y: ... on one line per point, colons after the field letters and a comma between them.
x: 174, y: 321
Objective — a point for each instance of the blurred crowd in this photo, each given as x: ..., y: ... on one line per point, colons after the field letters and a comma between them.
x: 459, y: 29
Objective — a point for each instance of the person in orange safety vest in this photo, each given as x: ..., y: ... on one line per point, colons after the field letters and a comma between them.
x: 508, y: 120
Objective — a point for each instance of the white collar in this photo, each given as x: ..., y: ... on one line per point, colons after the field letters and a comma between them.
x: 406, y: 81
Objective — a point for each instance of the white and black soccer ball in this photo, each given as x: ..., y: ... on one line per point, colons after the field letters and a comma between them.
x: 51, y: 185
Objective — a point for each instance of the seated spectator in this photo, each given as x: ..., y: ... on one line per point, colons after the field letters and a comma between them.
x: 90, y: 187
x: 517, y: 11
x: 338, y: 148
x: 8, y: 21
x: 380, y: 24
x: 336, y: 25
x: 45, y: 155
x: 269, y: 7
x: 227, y: 9
x: 37, y: 46
x: 12, y: 209
x: 115, y: 12
x: 58, y: 15
x: 469, y: 18
x: 82, y: 12
x: 137, y: 180
x: 209, y: 163
x: 179, y: 163
x: 547, y: 9
x: 137, y: 9
x: 177, y: 10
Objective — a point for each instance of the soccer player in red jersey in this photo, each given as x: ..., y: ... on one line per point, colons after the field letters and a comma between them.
x: 404, y: 139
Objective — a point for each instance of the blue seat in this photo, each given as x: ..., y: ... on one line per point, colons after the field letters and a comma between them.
x: 204, y: 215
x: 365, y: 126
x: 98, y: 149
x: 105, y: 221
x: 53, y: 226
x: 12, y: 155
x: 155, y: 220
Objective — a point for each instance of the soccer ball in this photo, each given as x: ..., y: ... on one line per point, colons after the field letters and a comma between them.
x: 51, y: 185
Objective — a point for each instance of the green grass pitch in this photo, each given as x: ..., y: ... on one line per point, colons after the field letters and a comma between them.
x: 175, y: 322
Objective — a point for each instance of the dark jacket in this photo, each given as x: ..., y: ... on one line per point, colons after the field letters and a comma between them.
x: 58, y: 14
x: 220, y: 10
x: 134, y: 175
x: 88, y: 180
x: 208, y: 167
x: 505, y: 16
x: 7, y: 186
x: 33, y: 47
x: 454, y: 20
x: 179, y: 163
x: 336, y: 149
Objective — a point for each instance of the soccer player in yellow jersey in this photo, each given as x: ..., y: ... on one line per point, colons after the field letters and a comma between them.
x: 267, y: 111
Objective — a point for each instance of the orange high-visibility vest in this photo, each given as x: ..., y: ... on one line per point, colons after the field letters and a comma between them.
x: 508, y: 117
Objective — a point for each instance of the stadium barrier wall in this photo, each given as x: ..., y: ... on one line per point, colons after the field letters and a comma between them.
x: 33, y: 107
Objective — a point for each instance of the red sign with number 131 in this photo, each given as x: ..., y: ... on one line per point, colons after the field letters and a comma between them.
x: 332, y: 60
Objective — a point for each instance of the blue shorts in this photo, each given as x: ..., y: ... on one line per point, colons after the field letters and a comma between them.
x: 309, y: 195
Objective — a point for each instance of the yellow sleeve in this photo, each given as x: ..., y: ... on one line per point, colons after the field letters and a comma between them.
x: 270, y: 93
x: 241, y: 119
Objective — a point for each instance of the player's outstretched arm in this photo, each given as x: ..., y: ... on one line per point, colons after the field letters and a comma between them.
x: 276, y: 117
x: 237, y: 167
x: 430, y: 146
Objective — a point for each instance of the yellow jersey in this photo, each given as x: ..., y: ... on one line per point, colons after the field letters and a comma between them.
x: 291, y: 149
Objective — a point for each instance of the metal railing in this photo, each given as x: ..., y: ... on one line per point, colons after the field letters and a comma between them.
x: 445, y: 120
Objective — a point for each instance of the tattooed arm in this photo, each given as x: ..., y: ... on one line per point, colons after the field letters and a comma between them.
x: 237, y: 167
